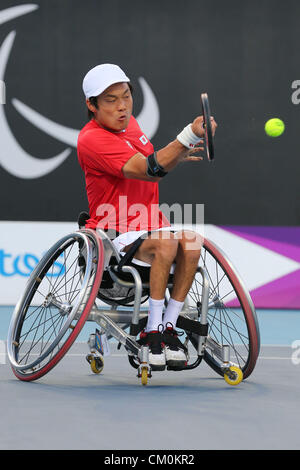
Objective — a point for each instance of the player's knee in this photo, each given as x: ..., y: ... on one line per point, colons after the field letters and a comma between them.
x: 191, y: 243
x: 167, y: 248
x: 192, y: 256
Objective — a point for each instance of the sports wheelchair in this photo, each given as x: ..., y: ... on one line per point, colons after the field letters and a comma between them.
x: 83, y: 278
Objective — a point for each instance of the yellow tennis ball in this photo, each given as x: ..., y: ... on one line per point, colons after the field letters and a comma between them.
x: 274, y: 127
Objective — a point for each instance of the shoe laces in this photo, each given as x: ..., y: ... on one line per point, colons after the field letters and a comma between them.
x: 159, y: 329
x: 153, y: 339
x: 171, y: 330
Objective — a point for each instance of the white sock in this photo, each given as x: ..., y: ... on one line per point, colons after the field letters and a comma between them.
x: 155, y: 314
x: 172, y: 313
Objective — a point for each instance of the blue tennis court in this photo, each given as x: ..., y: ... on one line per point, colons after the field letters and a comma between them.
x: 154, y: 139
x: 87, y: 411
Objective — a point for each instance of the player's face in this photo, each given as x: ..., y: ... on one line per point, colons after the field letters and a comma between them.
x: 114, y: 107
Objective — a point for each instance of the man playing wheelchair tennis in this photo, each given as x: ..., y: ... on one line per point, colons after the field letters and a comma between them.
x: 120, y: 162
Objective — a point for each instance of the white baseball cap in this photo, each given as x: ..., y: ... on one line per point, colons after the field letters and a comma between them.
x: 101, y: 77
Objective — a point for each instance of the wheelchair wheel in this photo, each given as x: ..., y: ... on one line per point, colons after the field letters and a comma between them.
x: 231, y: 314
x: 54, y: 307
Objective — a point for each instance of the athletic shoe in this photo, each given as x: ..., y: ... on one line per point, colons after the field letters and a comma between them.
x: 176, y: 352
x: 153, y: 339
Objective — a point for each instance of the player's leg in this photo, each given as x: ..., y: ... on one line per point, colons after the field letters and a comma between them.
x: 187, y: 259
x: 159, y: 250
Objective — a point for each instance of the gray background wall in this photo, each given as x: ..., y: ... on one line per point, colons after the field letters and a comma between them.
x: 244, y: 54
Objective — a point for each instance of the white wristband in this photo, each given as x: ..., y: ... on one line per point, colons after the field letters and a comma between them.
x: 187, y: 137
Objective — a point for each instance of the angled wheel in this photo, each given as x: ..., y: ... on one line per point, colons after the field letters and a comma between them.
x: 144, y: 376
x: 231, y: 315
x: 55, y: 305
x: 96, y: 363
x: 233, y: 376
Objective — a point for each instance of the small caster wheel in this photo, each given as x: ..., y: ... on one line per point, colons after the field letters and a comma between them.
x: 144, y: 375
x: 96, y: 363
x: 233, y: 375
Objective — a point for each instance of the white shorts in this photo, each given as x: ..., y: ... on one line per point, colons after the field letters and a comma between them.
x: 127, y: 238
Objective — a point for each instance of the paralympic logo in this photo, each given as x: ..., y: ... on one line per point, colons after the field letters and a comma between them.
x: 13, y: 157
x: 24, y: 264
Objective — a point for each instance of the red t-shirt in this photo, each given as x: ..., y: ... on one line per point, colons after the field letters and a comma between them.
x: 116, y: 202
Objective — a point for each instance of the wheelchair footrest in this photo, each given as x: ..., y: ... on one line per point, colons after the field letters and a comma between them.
x: 192, y: 326
x: 176, y: 368
x: 188, y: 366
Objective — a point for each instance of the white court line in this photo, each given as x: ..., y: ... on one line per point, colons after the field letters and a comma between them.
x: 269, y: 358
x: 272, y: 358
x: 125, y: 355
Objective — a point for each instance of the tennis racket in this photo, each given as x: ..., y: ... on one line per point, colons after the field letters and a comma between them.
x: 208, y: 138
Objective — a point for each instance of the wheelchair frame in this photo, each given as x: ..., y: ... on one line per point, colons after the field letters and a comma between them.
x: 195, y: 322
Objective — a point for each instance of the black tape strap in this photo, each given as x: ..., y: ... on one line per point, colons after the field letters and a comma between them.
x: 192, y: 326
x: 154, y: 168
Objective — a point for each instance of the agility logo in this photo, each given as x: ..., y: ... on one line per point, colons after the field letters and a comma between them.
x: 13, y: 157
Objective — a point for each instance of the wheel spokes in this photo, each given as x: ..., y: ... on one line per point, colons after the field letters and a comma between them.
x: 227, y: 325
x: 54, y: 296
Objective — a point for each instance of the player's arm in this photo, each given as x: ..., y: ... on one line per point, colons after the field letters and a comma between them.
x: 161, y: 162
x: 137, y: 167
